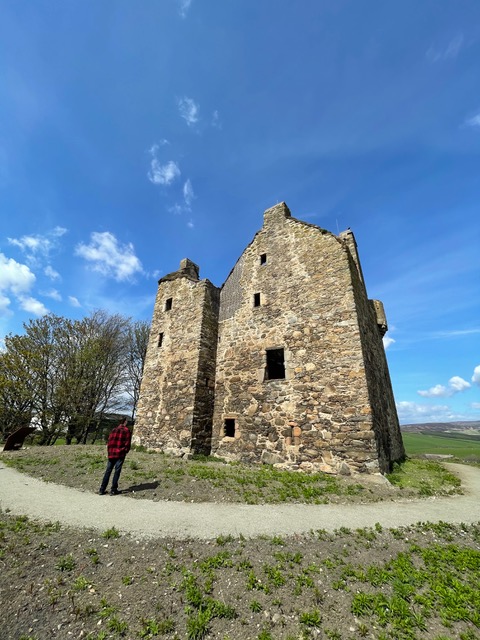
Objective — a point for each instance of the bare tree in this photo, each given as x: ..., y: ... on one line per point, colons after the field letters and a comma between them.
x: 137, y: 342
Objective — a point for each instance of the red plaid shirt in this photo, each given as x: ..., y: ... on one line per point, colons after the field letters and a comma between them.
x: 118, y: 444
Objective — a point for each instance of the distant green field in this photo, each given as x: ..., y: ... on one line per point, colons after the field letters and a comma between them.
x: 459, y: 445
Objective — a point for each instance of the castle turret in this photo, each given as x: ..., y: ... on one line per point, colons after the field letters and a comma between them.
x: 176, y: 401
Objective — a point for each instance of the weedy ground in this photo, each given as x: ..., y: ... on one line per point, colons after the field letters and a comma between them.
x: 411, y: 583
x: 415, y: 583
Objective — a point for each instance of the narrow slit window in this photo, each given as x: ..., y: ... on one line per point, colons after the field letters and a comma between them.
x: 263, y: 258
x: 275, y: 364
x: 168, y: 304
x: 256, y: 299
x: 160, y: 339
x: 229, y: 428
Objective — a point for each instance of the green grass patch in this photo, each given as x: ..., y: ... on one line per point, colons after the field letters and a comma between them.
x: 426, y: 476
x: 459, y: 445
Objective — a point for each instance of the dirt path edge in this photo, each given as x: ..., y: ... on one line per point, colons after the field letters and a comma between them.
x: 23, y: 495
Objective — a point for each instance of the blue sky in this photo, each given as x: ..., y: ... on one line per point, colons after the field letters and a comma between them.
x: 134, y: 134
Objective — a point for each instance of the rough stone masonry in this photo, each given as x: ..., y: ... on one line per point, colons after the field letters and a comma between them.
x: 283, y: 364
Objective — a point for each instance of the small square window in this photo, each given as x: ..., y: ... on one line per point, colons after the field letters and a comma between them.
x: 263, y: 258
x: 229, y: 428
x: 160, y: 339
x: 168, y: 304
x: 256, y: 299
x: 275, y: 369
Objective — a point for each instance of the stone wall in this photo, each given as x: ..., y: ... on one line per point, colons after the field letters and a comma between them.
x: 320, y: 415
x: 176, y: 396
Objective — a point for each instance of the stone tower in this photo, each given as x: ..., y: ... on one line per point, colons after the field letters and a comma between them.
x: 175, y: 408
x: 284, y: 364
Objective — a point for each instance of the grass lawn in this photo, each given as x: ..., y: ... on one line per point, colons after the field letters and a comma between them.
x: 459, y: 445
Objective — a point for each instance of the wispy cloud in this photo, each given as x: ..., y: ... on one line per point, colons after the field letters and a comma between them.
x: 188, y: 194
x: 455, y: 385
x: 53, y: 294
x: 50, y: 272
x: 189, y: 110
x: 183, y: 7
x: 180, y: 208
x: 216, y: 120
x: 473, y: 121
x: 37, y: 248
x: 190, y: 224
x: 163, y: 173
x: 74, y: 301
x: 110, y: 258
x: 447, y: 52
x: 454, y: 333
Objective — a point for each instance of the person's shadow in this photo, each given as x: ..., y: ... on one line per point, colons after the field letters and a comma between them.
x: 146, y: 486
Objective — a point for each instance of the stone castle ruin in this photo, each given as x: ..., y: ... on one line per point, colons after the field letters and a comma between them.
x: 283, y: 364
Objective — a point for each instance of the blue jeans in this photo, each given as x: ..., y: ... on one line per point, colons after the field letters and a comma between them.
x: 117, y: 463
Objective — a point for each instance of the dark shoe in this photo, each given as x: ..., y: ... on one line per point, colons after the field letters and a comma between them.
x: 101, y: 493
x: 115, y: 492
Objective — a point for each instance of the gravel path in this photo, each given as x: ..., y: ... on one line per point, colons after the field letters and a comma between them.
x: 22, y: 494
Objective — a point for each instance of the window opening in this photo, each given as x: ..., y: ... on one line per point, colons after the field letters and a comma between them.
x: 275, y: 364
x: 160, y: 339
x: 256, y: 299
x: 168, y: 304
x: 263, y: 258
x: 229, y: 427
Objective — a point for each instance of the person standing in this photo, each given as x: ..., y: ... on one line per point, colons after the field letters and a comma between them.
x: 118, y: 446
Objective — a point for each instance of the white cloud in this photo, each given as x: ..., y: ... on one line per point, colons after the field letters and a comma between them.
x: 455, y: 385
x: 448, y: 52
x: 52, y: 293
x: 475, y: 405
x: 458, y: 384
x: 14, y: 276
x: 163, y: 173
x: 412, y: 412
x: 387, y: 342
x: 183, y: 7
x: 32, y: 305
x: 74, y: 301
x: 50, y: 272
x: 110, y: 258
x: 476, y: 375
x: 188, y: 110
x: 190, y: 224
x: 474, y: 121
x: 188, y: 194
